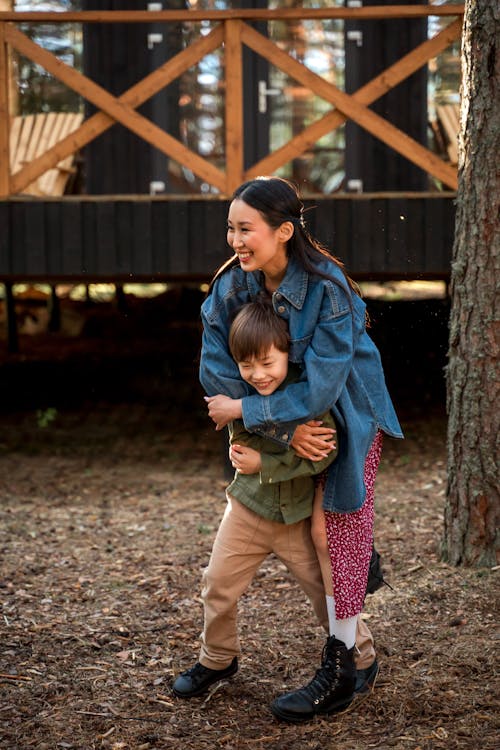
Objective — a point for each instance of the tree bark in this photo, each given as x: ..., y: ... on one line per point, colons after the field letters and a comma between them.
x: 472, y: 503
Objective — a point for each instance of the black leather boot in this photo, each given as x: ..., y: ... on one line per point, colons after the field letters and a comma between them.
x: 330, y: 690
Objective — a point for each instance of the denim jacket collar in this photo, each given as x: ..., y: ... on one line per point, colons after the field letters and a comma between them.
x: 293, y: 287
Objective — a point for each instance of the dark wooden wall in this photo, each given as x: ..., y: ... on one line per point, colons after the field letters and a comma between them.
x: 380, y: 44
x: 151, y: 239
x: 116, y: 56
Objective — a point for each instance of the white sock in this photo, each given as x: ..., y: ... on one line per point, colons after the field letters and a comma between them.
x: 330, y: 606
x: 343, y: 630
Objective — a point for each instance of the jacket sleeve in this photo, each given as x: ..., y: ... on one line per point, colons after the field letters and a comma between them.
x: 282, y: 465
x: 327, y: 363
x: 218, y: 371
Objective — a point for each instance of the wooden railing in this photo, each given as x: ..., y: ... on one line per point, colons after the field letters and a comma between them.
x: 231, y: 33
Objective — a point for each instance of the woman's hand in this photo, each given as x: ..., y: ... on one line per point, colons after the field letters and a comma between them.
x: 245, y: 459
x: 313, y: 441
x: 222, y: 409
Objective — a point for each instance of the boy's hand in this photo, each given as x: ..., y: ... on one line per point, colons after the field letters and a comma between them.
x: 246, y: 460
x: 313, y: 441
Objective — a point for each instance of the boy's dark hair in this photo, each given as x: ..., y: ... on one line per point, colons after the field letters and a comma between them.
x: 255, y: 329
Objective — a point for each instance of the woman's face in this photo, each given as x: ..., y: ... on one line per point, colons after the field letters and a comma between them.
x: 257, y: 245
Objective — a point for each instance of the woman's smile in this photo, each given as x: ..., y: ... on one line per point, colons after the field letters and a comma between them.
x: 257, y: 245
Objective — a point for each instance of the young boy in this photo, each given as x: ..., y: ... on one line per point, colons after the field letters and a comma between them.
x: 269, y: 505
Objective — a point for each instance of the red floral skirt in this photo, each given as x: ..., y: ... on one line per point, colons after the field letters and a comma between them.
x: 350, y: 540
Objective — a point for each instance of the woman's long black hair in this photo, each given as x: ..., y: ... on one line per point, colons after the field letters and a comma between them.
x: 278, y: 200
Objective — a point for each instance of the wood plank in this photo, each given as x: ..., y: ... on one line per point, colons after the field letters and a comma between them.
x: 397, y: 234
x: 178, y: 236
x: 415, y: 219
x: 46, y: 139
x: 370, y: 92
x: 15, y: 131
x: 31, y: 136
x: 56, y: 250
x: 378, y: 235
x: 105, y: 217
x: 360, y: 237
x: 87, y: 241
x: 90, y: 231
x: 142, y: 240
x: 52, y: 182
x: 17, y: 246
x: 71, y: 230
x: 449, y: 117
x: 125, y: 236
x: 233, y: 61
x: 161, y: 253
x: 23, y: 142
x: 342, y: 224
x: 198, y: 234
x: 352, y: 108
x: 117, y: 110
x: 368, y: 12
x: 320, y: 221
x: 35, y: 238
x: 32, y: 149
x: 60, y: 174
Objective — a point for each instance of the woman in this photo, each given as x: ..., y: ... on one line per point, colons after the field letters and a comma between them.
x: 341, y: 371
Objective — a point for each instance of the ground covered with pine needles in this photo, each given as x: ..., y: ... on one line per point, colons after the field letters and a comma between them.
x: 107, y: 516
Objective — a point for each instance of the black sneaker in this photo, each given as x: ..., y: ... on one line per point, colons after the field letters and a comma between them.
x: 365, y: 680
x: 196, y: 680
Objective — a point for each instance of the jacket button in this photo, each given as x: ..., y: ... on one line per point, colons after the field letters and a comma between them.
x: 281, y: 309
x: 278, y: 296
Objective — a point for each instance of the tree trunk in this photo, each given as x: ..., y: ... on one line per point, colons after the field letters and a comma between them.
x: 472, y: 504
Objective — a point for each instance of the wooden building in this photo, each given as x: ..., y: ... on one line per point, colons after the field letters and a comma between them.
x: 139, y: 218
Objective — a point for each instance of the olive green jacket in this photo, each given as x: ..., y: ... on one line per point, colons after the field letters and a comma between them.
x: 283, y: 490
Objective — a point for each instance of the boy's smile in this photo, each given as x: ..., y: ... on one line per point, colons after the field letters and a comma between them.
x: 266, y: 372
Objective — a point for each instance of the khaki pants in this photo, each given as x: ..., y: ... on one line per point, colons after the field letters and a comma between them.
x: 243, y: 541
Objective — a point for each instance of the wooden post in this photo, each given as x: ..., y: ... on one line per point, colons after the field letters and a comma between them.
x: 4, y: 115
x: 10, y: 312
x: 234, y: 105
x: 120, y: 299
x: 54, y: 306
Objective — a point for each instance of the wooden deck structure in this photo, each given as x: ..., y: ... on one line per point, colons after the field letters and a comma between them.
x: 233, y: 31
x: 139, y: 237
x: 143, y: 238
x: 32, y: 135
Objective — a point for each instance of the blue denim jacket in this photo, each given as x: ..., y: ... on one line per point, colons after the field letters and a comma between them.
x: 341, y: 369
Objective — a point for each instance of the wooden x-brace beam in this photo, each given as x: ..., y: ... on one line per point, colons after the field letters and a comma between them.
x: 354, y: 106
x: 117, y: 109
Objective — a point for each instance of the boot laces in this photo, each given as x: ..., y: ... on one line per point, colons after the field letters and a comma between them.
x: 325, y: 680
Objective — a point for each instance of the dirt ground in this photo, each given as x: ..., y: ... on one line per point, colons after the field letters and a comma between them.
x: 108, y: 512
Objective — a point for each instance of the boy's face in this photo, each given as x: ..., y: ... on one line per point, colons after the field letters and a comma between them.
x: 265, y: 372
